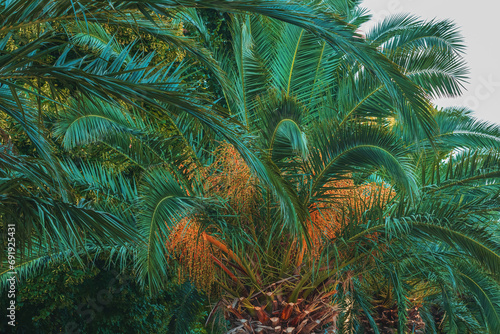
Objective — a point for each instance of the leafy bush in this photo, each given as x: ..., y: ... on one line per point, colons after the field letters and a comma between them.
x: 98, y: 299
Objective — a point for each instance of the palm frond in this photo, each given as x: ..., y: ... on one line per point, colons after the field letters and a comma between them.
x: 342, y: 151
x: 163, y: 204
x: 404, y: 32
x: 487, y: 293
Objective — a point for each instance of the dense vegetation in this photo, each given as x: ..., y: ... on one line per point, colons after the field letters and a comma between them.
x: 240, y: 167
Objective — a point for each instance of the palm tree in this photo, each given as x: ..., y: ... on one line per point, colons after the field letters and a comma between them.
x: 330, y: 193
x: 326, y: 125
x: 356, y: 244
x: 46, y: 60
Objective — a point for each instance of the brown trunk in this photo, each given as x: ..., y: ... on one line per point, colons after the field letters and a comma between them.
x: 287, y: 311
x: 262, y: 315
x: 298, y: 319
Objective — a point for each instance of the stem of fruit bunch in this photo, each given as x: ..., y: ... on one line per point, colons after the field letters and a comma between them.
x: 323, y: 277
x: 219, y: 245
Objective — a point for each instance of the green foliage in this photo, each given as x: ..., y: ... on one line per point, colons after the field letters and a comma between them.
x: 114, y: 113
x: 100, y: 299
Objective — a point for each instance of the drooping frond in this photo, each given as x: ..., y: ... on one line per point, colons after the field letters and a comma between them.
x: 281, y: 123
x: 163, y: 204
x: 406, y: 32
x: 340, y: 151
x: 486, y: 292
x: 439, y: 73
x: 87, y: 121
x: 95, y: 37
